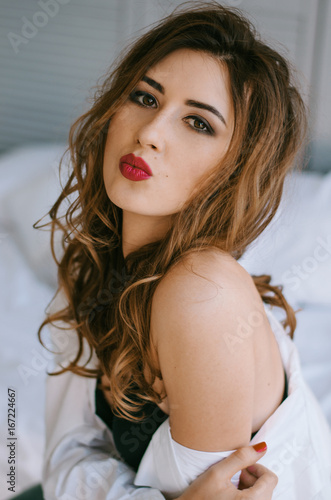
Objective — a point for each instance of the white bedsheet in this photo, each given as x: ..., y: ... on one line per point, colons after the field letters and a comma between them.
x: 28, y: 187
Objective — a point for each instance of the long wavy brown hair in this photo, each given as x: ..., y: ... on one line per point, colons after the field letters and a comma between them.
x: 227, y: 211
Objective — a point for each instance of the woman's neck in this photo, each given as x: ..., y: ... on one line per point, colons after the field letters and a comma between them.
x: 139, y: 230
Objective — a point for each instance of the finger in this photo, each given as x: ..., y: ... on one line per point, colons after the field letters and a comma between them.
x: 246, y: 480
x: 265, y: 483
x: 240, y: 459
x: 257, y: 470
x: 249, y: 476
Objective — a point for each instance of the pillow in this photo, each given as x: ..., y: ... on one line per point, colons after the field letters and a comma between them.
x: 295, y: 249
x: 32, y: 187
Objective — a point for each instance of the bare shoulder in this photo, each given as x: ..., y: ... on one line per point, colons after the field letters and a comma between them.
x: 199, y: 319
x: 203, y: 276
x: 221, y: 267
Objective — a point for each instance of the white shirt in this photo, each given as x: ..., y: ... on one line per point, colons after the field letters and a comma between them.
x: 81, y: 460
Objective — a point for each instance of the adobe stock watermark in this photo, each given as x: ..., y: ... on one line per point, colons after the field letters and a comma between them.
x: 245, y: 328
x: 96, y: 477
x: 39, y: 358
x: 301, y: 272
x: 292, y: 451
x: 143, y: 431
x: 96, y: 480
x: 30, y: 28
x: 93, y: 305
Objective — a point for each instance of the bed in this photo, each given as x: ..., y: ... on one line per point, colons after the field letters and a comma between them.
x: 295, y: 249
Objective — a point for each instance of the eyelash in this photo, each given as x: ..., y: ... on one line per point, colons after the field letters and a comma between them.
x: 134, y: 97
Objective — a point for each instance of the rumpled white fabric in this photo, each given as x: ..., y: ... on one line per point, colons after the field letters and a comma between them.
x: 81, y: 460
x: 171, y: 468
x: 193, y: 462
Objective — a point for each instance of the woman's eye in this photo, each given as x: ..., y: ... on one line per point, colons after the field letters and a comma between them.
x: 200, y: 125
x: 143, y: 99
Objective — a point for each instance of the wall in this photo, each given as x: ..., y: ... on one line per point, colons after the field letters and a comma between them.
x: 53, y: 51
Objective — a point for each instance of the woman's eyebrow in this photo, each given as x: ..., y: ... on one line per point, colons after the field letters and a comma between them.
x: 153, y: 83
x: 207, y: 107
x: 189, y: 102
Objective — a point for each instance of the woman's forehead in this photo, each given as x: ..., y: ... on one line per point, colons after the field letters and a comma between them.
x: 186, y: 58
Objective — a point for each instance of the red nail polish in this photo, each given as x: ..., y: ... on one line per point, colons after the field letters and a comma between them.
x: 259, y: 447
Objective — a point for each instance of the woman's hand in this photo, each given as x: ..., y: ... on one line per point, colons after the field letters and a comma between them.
x: 256, y: 481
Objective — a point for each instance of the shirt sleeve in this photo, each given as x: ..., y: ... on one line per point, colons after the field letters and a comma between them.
x: 80, y: 459
x: 171, y: 467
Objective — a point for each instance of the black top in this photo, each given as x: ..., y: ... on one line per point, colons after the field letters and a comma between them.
x: 132, y: 438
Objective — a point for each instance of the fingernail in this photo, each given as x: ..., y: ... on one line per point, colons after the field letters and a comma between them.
x: 259, y: 447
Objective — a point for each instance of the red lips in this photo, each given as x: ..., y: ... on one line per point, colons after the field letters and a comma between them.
x: 136, y: 161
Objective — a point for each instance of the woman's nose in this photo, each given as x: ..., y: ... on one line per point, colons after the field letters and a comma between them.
x: 151, y: 133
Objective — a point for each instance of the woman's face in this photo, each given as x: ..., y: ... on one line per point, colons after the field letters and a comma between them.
x: 179, y: 120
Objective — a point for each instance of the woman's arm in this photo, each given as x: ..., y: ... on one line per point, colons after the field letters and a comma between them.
x: 206, y: 359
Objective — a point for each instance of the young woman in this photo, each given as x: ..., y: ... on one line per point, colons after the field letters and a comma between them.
x: 172, y: 357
